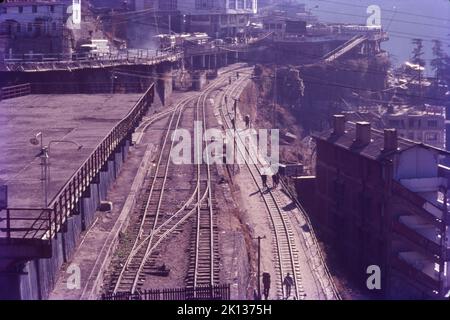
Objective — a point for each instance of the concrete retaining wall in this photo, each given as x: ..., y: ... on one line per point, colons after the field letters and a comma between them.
x: 40, y: 275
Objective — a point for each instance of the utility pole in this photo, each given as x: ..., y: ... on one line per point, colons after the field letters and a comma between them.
x: 443, y: 283
x: 259, y: 265
x: 234, y: 133
x: 113, y: 85
x: 45, y: 160
x: 274, y: 98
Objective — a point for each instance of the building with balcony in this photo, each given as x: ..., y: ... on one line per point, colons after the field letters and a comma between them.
x: 380, y: 201
x: 218, y: 18
x: 427, y: 126
x: 28, y: 27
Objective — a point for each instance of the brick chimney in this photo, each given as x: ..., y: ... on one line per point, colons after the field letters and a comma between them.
x: 390, y: 140
x: 363, y: 132
x: 339, y: 124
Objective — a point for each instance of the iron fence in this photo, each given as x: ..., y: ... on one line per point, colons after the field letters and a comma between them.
x: 216, y: 292
x: 45, y: 223
x: 15, y: 91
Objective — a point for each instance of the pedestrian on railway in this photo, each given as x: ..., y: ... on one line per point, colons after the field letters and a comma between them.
x: 266, y: 284
x: 237, y: 75
x: 247, y: 121
x: 229, y: 80
x: 276, y: 180
x: 288, y: 282
x: 264, y: 180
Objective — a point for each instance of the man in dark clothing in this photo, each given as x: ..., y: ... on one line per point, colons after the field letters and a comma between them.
x: 266, y: 283
x: 288, y: 282
x: 264, y: 180
x: 247, y: 121
x: 276, y: 180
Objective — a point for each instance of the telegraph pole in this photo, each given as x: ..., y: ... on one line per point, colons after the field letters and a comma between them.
x: 259, y: 265
x: 235, y: 105
x: 442, y: 279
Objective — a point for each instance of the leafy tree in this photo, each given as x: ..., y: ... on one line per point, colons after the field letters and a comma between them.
x: 438, y: 63
x: 417, y: 53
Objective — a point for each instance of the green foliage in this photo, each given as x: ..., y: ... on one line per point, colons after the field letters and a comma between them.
x: 439, y: 61
x: 418, y: 52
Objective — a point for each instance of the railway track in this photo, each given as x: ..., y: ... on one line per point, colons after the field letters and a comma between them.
x: 203, y: 265
x: 283, y: 237
x: 138, y: 252
x: 130, y: 275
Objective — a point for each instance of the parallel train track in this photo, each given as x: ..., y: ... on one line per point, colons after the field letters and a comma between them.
x: 286, y: 251
x: 155, y: 225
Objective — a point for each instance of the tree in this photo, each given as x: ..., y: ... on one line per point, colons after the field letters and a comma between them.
x: 418, y: 52
x: 438, y: 63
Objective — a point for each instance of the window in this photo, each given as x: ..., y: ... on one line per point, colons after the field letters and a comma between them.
x: 18, y: 28
x: 20, y: 9
x: 411, y: 123
x: 3, y: 10
x: 30, y: 27
x: 224, y: 19
x: 34, y: 9
x: 54, y: 26
x: 204, y: 4
x: 52, y: 8
x: 432, y: 123
x: 431, y: 136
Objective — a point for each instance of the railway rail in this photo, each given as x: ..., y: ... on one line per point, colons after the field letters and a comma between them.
x: 286, y: 252
x: 156, y: 225
x: 283, y: 236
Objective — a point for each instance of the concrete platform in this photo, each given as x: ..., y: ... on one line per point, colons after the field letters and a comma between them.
x: 85, y: 119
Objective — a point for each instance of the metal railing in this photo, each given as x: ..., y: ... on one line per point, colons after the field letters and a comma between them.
x: 45, y: 223
x: 217, y: 292
x: 43, y: 62
x: 68, y: 57
x: 15, y: 91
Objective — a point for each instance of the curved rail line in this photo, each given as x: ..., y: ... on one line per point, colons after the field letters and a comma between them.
x: 135, y: 262
x: 274, y: 206
x: 149, y: 235
x: 287, y: 255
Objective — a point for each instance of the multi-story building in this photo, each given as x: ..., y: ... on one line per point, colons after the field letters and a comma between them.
x: 427, y: 126
x: 380, y: 202
x: 218, y: 18
x: 33, y: 27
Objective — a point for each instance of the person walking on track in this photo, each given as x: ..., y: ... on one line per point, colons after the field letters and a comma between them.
x: 288, y: 282
x: 247, y: 121
x: 266, y: 284
x: 264, y: 180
